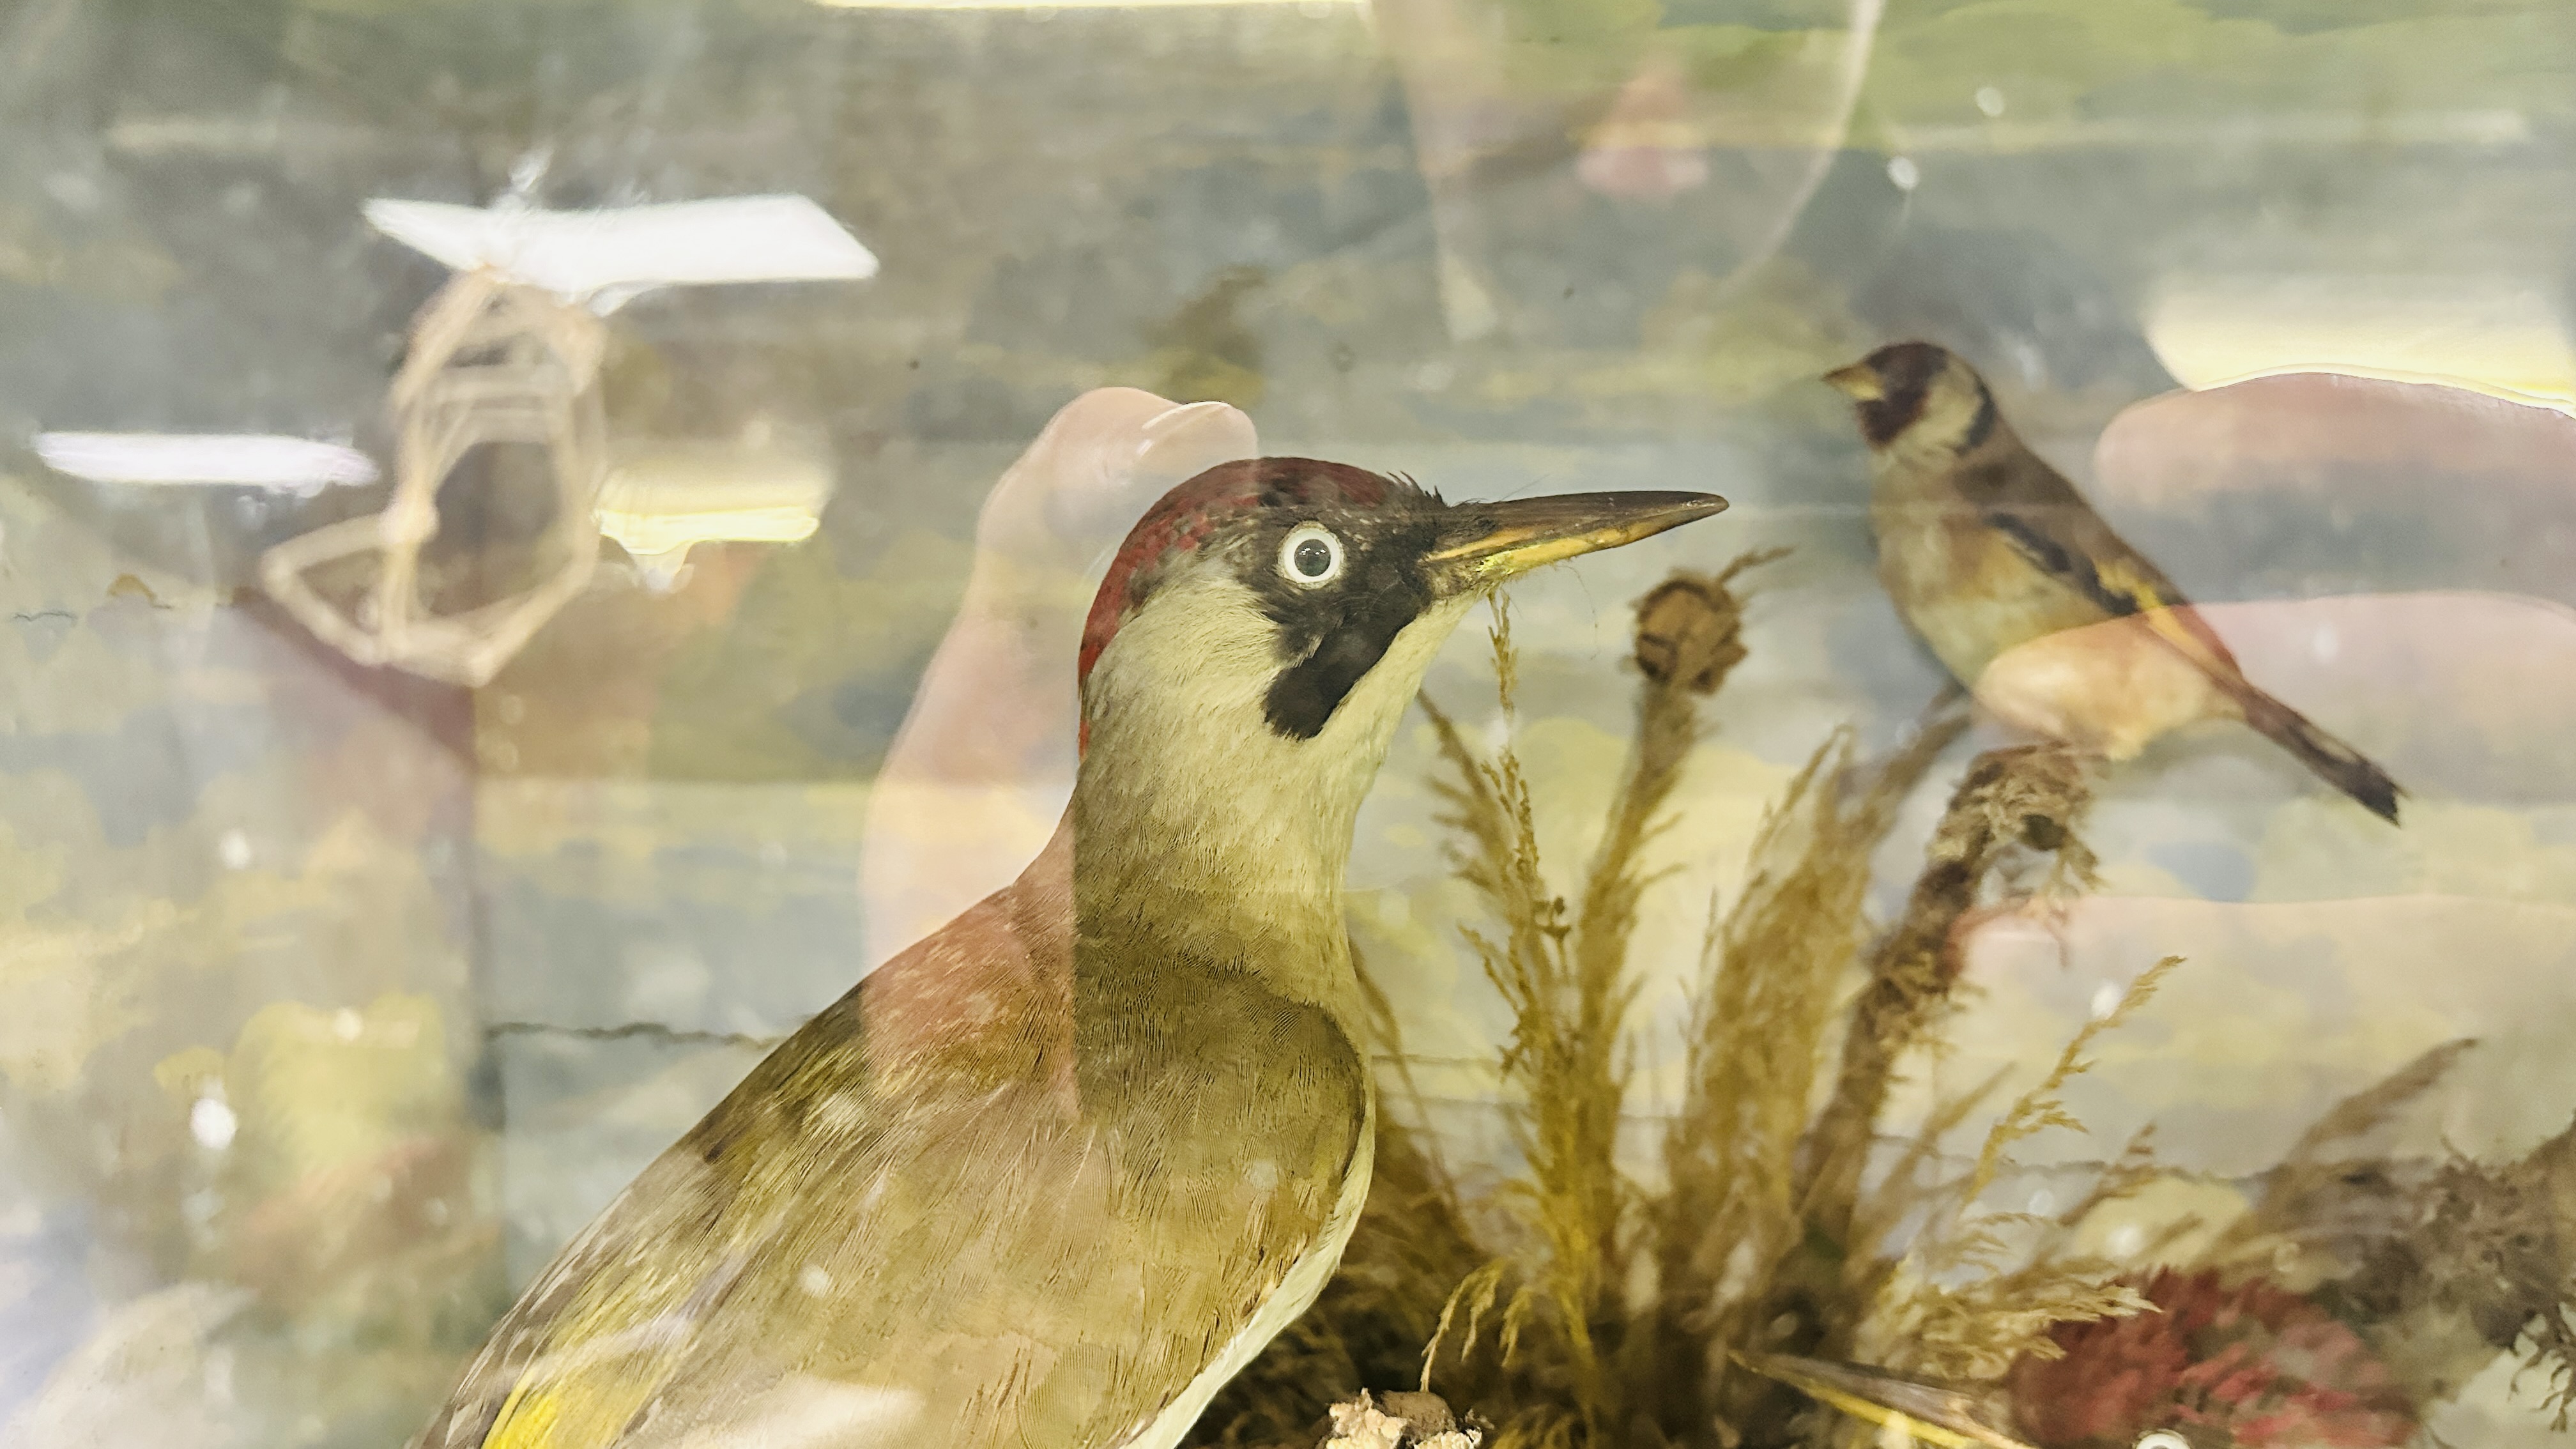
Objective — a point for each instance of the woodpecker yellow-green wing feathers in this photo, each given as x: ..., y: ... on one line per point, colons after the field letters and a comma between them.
x: 845, y: 1256
x: 591, y: 1343
x: 620, y: 1312
x: 606, y: 1361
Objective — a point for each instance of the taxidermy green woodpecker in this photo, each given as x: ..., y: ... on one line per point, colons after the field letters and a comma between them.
x: 1052, y: 1175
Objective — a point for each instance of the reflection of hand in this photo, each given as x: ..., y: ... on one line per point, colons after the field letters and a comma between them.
x: 984, y: 761
x: 1093, y: 470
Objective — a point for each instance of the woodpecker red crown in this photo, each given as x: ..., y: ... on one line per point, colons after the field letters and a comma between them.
x: 1187, y: 516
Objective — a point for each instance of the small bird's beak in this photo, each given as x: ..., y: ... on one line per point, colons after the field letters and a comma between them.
x: 1860, y: 381
x: 1929, y: 1412
x: 1482, y: 544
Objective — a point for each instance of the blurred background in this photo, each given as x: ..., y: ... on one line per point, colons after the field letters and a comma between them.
x: 335, y: 994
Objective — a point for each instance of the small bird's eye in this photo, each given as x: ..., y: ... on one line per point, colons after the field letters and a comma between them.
x: 1311, y: 555
x: 2161, y: 1439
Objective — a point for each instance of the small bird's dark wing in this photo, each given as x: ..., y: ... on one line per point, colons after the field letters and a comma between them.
x: 2050, y: 524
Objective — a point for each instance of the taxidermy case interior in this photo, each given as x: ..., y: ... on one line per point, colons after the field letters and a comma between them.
x: 540, y: 543
x: 1574, y: 1301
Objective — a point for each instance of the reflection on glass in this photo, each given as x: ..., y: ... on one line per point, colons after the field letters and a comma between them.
x: 337, y: 994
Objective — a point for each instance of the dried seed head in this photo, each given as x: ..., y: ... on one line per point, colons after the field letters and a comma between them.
x: 2031, y: 796
x: 1690, y: 627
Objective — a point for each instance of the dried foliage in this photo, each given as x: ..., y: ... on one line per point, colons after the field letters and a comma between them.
x: 2445, y: 1268
x: 2028, y: 799
x: 1576, y: 1306
x: 2486, y: 1260
x: 1690, y: 627
x: 1735, y: 1255
x: 1565, y: 1064
x: 2332, y: 1195
x: 1958, y: 1307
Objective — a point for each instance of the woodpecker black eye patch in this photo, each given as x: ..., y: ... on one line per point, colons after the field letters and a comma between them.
x: 1337, y: 634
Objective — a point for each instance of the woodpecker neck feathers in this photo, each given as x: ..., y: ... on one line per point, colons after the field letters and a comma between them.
x: 1235, y: 713
x: 1197, y: 814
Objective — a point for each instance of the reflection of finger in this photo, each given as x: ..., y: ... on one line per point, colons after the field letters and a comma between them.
x: 2315, y: 475
x: 996, y: 707
x: 1096, y: 466
x: 2108, y: 688
x: 2460, y: 694
x: 935, y: 847
x: 1183, y: 442
x: 2358, y: 441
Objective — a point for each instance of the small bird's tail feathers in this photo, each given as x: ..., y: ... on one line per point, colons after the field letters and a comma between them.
x: 2334, y: 762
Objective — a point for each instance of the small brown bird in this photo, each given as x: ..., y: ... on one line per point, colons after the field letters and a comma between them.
x: 1054, y: 1174
x: 2053, y: 621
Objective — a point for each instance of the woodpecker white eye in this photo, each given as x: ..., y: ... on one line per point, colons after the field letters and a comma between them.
x: 1310, y: 556
x: 2161, y: 1439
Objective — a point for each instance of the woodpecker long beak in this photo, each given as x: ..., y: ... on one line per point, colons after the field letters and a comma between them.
x: 1930, y: 1413
x: 1485, y: 543
x: 1859, y: 381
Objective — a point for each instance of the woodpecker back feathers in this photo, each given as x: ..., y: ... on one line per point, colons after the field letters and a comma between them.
x: 2030, y: 599
x: 1055, y: 1173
